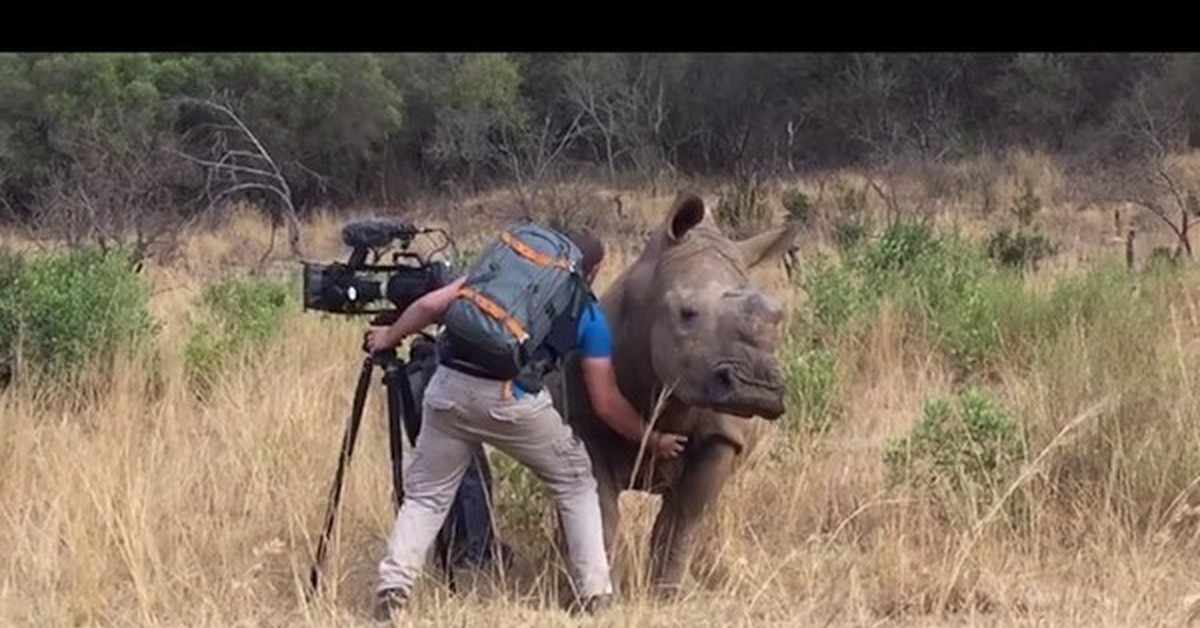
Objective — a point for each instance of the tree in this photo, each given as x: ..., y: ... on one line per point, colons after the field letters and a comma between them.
x: 236, y: 164
x: 1152, y: 122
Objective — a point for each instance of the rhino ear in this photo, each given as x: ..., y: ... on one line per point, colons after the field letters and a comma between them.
x: 769, y: 245
x: 687, y: 212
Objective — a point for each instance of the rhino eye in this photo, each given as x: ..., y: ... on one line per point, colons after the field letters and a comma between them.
x: 688, y: 314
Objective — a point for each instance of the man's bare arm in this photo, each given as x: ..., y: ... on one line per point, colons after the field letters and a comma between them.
x: 615, y: 410
x: 422, y: 313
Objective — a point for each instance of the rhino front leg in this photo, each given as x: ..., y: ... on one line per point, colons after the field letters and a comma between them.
x: 683, y: 509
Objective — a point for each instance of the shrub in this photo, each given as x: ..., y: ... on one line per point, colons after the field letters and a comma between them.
x: 813, y: 389
x: 743, y: 209
x: 836, y: 297
x: 851, y: 223
x: 798, y: 205
x: 1020, y: 248
x: 236, y: 314
x: 65, y: 312
x: 10, y: 272
x: 965, y: 449
x: 1025, y: 246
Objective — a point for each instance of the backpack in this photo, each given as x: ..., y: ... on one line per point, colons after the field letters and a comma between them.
x: 516, y: 298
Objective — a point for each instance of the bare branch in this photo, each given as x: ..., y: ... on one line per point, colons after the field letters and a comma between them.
x: 221, y: 165
x: 242, y: 187
x: 1171, y: 187
x: 226, y: 167
x: 1158, y: 211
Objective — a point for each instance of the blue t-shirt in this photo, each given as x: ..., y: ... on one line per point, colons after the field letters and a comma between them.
x: 593, y: 337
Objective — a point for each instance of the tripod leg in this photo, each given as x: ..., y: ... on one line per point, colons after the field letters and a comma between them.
x: 399, y: 400
x: 335, y: 492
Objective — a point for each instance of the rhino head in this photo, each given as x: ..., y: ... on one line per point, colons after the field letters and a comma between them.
x: 701, y: 330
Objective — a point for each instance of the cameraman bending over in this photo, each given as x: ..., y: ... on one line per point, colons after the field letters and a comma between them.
x: 462, y: 410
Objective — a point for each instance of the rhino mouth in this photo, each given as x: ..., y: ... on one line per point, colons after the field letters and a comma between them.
x: 733, y: 387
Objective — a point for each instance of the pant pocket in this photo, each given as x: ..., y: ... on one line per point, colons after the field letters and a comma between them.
x: 573, y: 456
x: 518, y: 409
x: 441, y: 405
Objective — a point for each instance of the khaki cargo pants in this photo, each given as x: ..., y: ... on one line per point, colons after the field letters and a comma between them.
x: 460, y: 411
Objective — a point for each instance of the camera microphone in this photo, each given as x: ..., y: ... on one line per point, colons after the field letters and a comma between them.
x: 374, y: 233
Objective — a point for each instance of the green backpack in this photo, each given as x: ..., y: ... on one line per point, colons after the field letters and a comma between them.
x: 516, y: 298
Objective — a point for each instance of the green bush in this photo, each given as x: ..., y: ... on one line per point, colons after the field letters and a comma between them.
x: 1026, y: 245
x: 951, y: 287
x: 899, y: 247
x: 70, y: 311
x: 965, y: 449
x: 813, y: 389
x: 1020, y: 248
x: 836, y: 297
x: 235, y: 314
x: 943, y: 282
x: 798, y: 205
x: 743, y: 209
x: 950, y: 293
x: 851, y: 222
x: 10, y: 273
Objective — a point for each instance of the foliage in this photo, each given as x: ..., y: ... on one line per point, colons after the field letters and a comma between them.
x: 64, y: 312
x: 237, y: 314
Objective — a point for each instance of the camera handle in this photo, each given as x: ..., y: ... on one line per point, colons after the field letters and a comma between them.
x: 400, y: 406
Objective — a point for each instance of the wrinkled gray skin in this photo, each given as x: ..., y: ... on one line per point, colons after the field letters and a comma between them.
x: 695, y: 344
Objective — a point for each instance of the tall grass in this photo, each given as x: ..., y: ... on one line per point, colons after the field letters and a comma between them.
x: 1062, y: 405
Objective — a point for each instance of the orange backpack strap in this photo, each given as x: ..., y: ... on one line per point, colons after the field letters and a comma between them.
x: 532, y: 255
x: 494, y: 310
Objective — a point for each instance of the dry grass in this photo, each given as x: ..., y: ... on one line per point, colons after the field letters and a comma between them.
x: 149, y: 507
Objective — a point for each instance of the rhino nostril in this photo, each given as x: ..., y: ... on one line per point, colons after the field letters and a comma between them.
x: 721, y: 383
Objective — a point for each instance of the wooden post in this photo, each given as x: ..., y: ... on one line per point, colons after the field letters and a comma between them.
x: 1129, y: 249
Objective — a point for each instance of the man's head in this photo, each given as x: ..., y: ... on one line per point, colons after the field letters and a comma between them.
x: 592, y: 249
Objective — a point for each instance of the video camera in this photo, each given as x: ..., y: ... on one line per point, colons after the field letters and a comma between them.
x: 349, y: 289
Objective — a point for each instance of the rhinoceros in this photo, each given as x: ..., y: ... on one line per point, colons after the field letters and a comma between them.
x: 695, y: 349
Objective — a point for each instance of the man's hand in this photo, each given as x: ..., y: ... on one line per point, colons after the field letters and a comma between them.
x: 666, y: 445
x: 378, y: 339
x: 421, y: 314
x: 614, y: 409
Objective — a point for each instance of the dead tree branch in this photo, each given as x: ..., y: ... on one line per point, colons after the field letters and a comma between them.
x: 236, y: 162
x: 1154, y: 126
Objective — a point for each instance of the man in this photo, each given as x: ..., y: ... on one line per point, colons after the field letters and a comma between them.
x: 462, y: 409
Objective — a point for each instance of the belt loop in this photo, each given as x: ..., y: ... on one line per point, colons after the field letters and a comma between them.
x: 506, y: 393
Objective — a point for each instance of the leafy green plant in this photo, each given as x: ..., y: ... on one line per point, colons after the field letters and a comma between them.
x: 237, y: 314
x: 64, y: 312
x: 966, y: 449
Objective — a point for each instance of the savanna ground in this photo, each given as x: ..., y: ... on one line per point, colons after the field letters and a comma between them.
x: 965, y: 444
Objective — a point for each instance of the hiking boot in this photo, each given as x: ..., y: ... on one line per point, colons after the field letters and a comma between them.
x: 597, y: 604
x: 389, y: 603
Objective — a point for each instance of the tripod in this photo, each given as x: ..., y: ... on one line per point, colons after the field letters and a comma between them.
x: 401, y: 404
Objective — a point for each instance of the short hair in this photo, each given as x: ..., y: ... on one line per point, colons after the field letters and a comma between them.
x: 590, y: 246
